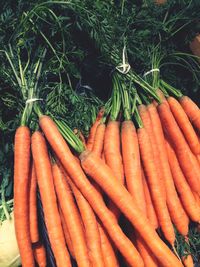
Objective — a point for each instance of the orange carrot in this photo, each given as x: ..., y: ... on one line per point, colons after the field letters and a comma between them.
x: 93, y: 129
x: 21, y: 193
x: 40, y: 254
x: 146, y: 119
x: 33, y: 207
x: 154, y: 186
x: 162, y: 97
x: 91, y: 227
x: 99, y: 139
x: 46, y: 187
x: 132, y: 164
x: 188, y: 261
x: 89, y: 192
x: 96, y: 168
x: 192, y: 111
x: 187, y: 161
x: 184, y: 124
x: 151, y: 214
x: 66, y: 234
x: 71, y: 217
x: 180, y: 218
x: 185, y: 193
x: 113, y: 156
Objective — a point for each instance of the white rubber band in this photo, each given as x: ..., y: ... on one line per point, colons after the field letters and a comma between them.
x: 125, y: 66
x: 28, y: 101
x: 150, y: 71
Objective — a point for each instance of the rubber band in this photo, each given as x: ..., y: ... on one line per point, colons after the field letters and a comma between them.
x: 150, y: 71
x: 31, y: 100
x: 124, y: 67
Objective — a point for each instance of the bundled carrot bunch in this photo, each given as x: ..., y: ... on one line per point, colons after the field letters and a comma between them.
x: 139, y: 161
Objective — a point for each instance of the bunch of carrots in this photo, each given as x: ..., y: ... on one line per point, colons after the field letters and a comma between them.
x: 139, y: 161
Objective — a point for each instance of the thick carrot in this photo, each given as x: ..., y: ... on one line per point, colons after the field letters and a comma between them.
x: 151, y: 214
x: 71, y: 217
x: 132, y: 164
x: 89, y: 192
x: 66, y: 234
x: 97, y: 169
x: 192, y: 111
x: 40, y: 254
x: 48, y: 196
x: 99, y: 139
x: 146, y: 119
x: 180, y: 218
x: 184, y: 124
x: 91, y: 227
x: 21, y: 195
x: 185, y: 193
x: 93, y: 129
x: 187, y: 160
x: 112, y: 152
x: 33, y: 207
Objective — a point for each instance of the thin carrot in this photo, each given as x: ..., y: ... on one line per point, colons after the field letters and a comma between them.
x: 96, y: 168
x: 146, y: 119
x: 21, y: 193
x: 187, y: 161
x: 93, y: 129
x: 99, y: 139
x: 132, y: 164
x: 192, y: 111
x: 49, y: 201
x: 71, y: 217
x: 113, y: 156
x: 180, y: 218
x: 33, y: 207
x: 184, y: 190
x: 89, y: 192
x: 91, y: 227
x: 188, y: 261
x: 151, y: 214
x: 40, y: 254
x: 184, y: 124
x: 66, y: 234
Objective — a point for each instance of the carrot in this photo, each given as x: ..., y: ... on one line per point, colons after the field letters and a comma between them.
x: 89, y: 192
x: 99, y: 139
x: 91, y: 227
x: 192, y: 111
x: 162, y: 97
x: 33, y: 207
x: 132, y: 168
x: 113, y: 156
x: 21, y: 195
x: 40, y: 254
x: 109, y: 256
x: 184, y: 124
x: 186, y: 159
x: 188, y: 261
x: 66, y: 234
x: 93, y: 129
x: 132, y: 165
x: 151, y: 214
x: 49, y: 201
x: 146, y: 119
x: 185, y: 193
x: 71, y: 217
x: 180, y: 218
x: 96, y: 168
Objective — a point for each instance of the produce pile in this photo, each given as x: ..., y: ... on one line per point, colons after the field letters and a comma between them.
x: 100, y: 152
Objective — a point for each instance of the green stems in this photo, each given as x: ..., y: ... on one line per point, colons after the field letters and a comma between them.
x: 115, y: 98
x: 70, y: 137
x: 170, y: 89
